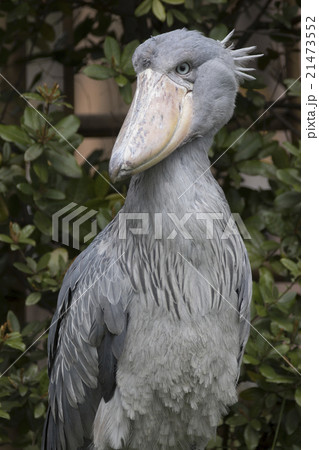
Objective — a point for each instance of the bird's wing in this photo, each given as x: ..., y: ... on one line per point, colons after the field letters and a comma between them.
x: 244, y: 297
x: 236, y: 285
x: 85, y: 341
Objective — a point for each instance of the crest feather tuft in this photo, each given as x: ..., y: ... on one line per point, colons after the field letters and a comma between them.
x: 240, y: 57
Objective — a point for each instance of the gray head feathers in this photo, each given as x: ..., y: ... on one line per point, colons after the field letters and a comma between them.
x: 169, y: 49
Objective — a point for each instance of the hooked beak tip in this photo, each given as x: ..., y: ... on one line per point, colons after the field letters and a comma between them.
x: 118, y: 171
x: 119, y: 176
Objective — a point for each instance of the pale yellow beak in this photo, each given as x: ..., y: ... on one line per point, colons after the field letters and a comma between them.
x: 158, y: 122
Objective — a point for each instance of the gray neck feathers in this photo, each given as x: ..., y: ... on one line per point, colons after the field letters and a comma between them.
x: 158, y: 189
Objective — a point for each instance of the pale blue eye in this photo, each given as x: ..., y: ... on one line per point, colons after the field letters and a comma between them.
x: 183, y: 69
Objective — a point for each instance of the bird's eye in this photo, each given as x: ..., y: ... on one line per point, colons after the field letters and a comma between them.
x: 183, y: 69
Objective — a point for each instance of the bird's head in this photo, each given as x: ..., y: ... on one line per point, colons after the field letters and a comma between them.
x: 186, y: 88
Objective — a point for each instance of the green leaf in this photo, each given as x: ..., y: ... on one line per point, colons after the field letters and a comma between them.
x: 248, y: 359
x: 103, y: 218
x: 174, y: 2
x: 257, y: 238
x: 13, y: 321
x: 12, y: 133
x: 294, y: 86
x: 43, y: 261
x: 266, y: 285
x: 15, y: 228
x: 23, y: 390
x: 98, y: 72
x: 121, y: 80
x: 280, y: 158
x: 4, y: 415
x: 112, y: 51
x: 277, y: 267
x: 14, y: 341
x: 236, y: 420
x: 126, y: 57
x: 33, y: 298
x: 23, y: 268
x: 6, y: 152
x: 248, y: 146
x: 30, y: 373
x: 257, y: 168
x: 27, y: 231
x: 282, y: 322
x: 58, y: 257
x: 126, y: 93
x: 286, y: 301
x: 41, y: 170
x: 143, y: 8
x: 158, y: 10
x: 256, y: 424
x: 271, y: 400
x: 33, y: 119
x: 234, y: 175
x: 27, y: 241
x: 31, y: 263
x: 6, y: 239
x: 251, y: 437
x: 33, y: 152
x: 67, y: 105
x: 101, y: 187
x: 288, y: 176
x: 54, y: 194
x: 43, y: 223
x: 266, y: 278
x: 179, y: 15
x: 169, y: 18
x: 287, y: 200
x: 255, y: 257
x: 291, y: 266
x: 270, y: 245
x: 25, y: 188
x: 291, y: 148
x: 218, y: 32
x: 292, y: 421
x: 298, y: 396
x: 33, y: 96
x: 39, y: 410
x: 68, y: 126
x: 64, y: 163
x: 269, y: 373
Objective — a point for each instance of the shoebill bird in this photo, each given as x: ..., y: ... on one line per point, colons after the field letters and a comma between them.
x: 152, y: 319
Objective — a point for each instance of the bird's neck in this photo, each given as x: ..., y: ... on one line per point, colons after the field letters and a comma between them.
x: 177, y: 183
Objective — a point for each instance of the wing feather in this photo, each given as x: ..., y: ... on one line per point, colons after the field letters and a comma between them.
x: 86, y: 339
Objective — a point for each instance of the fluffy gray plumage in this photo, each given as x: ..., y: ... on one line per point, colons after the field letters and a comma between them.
x: 148, y: 354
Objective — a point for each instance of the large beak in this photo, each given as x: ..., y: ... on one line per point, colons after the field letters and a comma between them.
x: 157, y: 123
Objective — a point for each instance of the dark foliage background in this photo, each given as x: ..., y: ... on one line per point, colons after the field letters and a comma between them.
x: 39, y: 175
